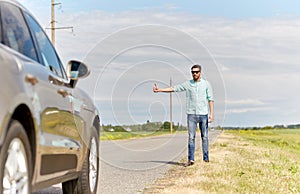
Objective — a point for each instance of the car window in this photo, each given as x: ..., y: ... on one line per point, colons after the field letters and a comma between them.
x: 15, y: 32
x: 47, y: 53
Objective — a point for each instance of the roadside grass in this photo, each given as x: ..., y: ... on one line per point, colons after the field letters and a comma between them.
x: 104, y: 135
x: 250, y: 161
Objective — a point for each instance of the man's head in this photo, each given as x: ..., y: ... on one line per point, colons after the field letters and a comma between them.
x: 196, y: 71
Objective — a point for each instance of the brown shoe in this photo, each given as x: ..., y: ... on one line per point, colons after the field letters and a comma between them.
x: 206, y: 160
x: 189, y: 163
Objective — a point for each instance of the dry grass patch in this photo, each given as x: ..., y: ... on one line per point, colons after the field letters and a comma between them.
x: 241, y: 162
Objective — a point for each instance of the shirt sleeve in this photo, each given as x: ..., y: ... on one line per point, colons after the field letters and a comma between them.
x: 179, y: 87
x: 209, y: 92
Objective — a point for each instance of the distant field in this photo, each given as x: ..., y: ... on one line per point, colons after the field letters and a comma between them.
x: 127, y: 135
x: 252, y: 161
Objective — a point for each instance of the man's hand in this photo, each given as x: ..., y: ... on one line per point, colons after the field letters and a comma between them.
x: 210, y: 118
x: 155, y: 88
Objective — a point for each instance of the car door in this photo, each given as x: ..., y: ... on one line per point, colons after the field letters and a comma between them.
x: 61, y: 129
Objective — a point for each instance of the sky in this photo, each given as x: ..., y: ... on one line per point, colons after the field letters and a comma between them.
x: 249, y: 52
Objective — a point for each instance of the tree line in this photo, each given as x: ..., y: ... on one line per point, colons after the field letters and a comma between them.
x: 148, y: 126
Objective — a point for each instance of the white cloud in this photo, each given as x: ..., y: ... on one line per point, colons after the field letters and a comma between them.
x: 244, y: 102
x: 246, y: 110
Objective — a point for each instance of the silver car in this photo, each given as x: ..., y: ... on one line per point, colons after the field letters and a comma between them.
x: 49, y: 129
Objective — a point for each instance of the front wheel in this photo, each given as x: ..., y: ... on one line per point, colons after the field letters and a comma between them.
x: 15, y: 161
x: 88, y: 180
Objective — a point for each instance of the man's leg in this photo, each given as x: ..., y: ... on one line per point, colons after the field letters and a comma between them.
x: 203, y: 124
x: 192, y: 125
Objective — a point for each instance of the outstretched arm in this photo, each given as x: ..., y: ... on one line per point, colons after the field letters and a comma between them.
x: 156, y: 89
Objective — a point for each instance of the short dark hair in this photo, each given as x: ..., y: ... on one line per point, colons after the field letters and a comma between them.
x: 196, y: 66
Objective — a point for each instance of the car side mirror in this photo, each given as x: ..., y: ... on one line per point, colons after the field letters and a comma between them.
x: 77, y: 69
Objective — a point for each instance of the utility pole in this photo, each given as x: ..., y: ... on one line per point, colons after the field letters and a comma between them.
x: 171, y: 122
x: 53, y: 28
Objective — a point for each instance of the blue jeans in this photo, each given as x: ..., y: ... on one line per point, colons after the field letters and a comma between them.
x: 193, y: 120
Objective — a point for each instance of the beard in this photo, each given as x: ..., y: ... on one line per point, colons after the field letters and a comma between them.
x: 196, y: 78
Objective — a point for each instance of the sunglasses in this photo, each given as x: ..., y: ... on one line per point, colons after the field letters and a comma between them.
x: 195, y: 72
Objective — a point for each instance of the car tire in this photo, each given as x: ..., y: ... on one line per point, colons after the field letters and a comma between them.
x: 87, y: 182
x: 15, y: 161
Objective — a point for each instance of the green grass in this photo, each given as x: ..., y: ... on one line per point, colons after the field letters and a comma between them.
x: 285, y: 139
x: 104, y: 135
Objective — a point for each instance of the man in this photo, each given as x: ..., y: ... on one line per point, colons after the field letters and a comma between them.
x: 200, y: 109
